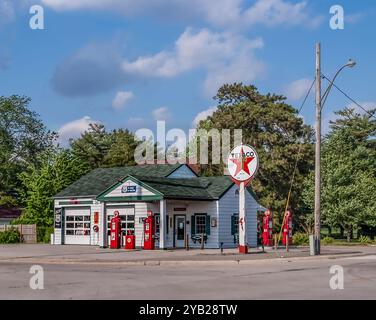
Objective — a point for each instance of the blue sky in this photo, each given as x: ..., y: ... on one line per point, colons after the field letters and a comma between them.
x: 127, y: 63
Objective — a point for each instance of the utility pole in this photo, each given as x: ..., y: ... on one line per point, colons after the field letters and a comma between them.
x: 318, y: 152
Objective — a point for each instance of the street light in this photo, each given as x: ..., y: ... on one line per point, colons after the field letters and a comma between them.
x: 350, y: 64
x: 320, y: 101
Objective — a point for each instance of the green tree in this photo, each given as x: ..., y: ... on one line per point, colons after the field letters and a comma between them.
x: 22, y: 137
x: 57, y: 169
x: 121, y: 151
x: 276, y: 131
x: 98, y: 148
x: 93, y: 145
x: 348, y: 174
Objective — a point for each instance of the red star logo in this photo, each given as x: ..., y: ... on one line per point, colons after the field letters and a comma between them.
x: 242, y: 163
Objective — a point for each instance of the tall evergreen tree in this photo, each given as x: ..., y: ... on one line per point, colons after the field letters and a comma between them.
x: 348, y: 173
x: 276, y: 131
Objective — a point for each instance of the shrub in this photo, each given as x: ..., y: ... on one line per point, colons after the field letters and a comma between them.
x: 365, y: 240
x: 327, y: 240
x: 44, y: 234
x: 299, y: 239
x: 10, y: 236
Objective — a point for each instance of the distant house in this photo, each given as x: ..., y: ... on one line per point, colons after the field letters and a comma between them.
x: 184, y: 205
x: 9, y: 214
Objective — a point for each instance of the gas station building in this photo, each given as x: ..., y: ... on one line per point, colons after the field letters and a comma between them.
x: 186, y: 207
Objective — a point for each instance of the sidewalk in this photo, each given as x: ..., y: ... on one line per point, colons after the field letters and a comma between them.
x: 48, y: 254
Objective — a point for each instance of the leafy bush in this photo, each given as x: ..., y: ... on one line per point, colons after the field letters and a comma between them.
x: 365, y: 240
x: 327, y: 240
x: 300, y: 239
x: 10, y: 236
x: 44, y: 234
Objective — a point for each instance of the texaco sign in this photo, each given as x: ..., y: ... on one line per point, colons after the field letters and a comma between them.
x: 242, y: 163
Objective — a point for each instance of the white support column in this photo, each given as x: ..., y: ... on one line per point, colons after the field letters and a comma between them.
x: 102, y: 227
x: 162, y: 224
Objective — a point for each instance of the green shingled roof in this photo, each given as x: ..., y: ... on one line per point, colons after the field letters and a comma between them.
x: 200, y: 188
x: 155, y: 176
x: 98, y: 180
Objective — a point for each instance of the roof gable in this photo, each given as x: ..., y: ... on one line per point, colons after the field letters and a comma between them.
x: 130, y: 188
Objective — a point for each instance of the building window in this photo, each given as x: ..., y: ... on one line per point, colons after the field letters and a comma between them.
x: 235, y: 227
x: 200, y: 223
x: 235, y: 224
x: 77, y: 225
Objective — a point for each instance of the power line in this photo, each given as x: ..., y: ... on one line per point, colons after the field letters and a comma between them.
x: 306, y: 97
x: 348, y: 97
x: 296, y: 164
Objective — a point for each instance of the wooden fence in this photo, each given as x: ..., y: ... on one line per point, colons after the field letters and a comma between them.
x: 28, y: 231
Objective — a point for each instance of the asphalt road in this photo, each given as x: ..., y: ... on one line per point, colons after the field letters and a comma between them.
x: 267, y: 279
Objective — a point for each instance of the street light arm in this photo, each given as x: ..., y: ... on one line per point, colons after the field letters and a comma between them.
x: 350, y: 64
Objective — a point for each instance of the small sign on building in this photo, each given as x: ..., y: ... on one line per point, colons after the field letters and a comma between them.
x: 129, y: 189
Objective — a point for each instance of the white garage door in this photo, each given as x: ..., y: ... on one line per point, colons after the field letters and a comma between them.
x: 77, y: 226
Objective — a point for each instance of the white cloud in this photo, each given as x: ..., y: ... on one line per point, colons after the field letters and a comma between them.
x: 279, y: 12
x: 122, y: 98
x: 223, y: 13
x: 161, y: 114
x: 366, y: 105
x: 225, y: 56
x: 74, y: 129
x: 333, y: 117
x: 203, y: 115
x: 298, y: 89
x: 7, y: 11
x: 354, y: 17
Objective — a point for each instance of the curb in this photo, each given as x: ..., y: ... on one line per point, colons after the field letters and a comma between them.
x: 154, y: 263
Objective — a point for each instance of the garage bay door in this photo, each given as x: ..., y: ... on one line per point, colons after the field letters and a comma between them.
x: 77, y: 226
x: 127, y: 217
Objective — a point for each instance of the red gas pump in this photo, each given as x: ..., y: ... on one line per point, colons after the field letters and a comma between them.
x: 115, y: 231
x: 267, y: 229
x: 149, y: 240
x: 130, y: 241
x: 287, y: 228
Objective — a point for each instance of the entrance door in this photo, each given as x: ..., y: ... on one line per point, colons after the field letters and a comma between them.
x: 179, y: 231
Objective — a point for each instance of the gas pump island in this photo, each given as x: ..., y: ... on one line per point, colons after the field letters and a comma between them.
x: 129, y: 242
x: 242, y: 164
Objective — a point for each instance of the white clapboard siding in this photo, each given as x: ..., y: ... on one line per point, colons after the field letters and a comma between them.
x: 228, y: 205
x: 192, y: 207
x: 140, y: 191
x: 182, y: 172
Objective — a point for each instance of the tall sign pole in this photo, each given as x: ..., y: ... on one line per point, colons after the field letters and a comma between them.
x: 243, y: 244
x: 242, y: 164
x: 318, y: 152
